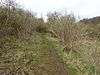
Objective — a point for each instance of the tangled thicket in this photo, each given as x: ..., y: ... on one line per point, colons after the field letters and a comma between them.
x: 60, y: 46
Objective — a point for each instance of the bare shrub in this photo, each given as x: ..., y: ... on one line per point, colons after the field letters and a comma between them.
x: 65, y: 27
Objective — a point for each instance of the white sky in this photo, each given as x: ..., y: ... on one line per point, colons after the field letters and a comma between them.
x: 83, y: 8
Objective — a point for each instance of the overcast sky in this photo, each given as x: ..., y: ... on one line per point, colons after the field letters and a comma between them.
x: 83, y: 8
